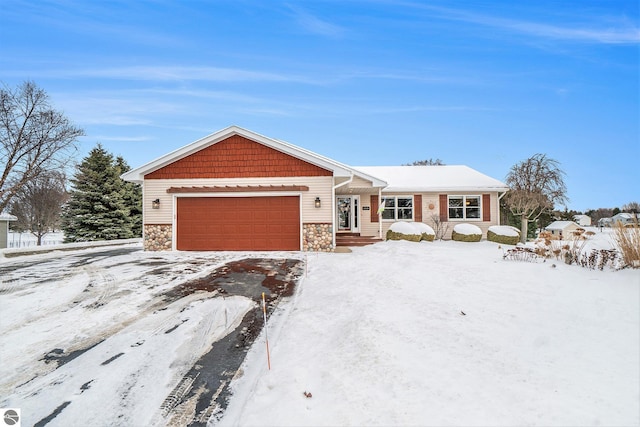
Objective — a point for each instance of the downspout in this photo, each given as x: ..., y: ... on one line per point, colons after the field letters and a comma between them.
x: 500, y: 196
x: 379, y: 214
x: 333, y: 206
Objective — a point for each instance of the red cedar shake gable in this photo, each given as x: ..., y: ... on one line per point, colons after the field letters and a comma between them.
x: 237, y: 157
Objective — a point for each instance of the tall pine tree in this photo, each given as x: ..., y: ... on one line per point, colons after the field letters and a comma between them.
x: 99, y: 207
x: 132, y: 198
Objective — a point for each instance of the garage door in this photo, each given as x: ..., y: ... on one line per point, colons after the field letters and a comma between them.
x: 238, y: 223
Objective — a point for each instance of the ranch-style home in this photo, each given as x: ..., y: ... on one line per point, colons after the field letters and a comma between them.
x: 239, y: 190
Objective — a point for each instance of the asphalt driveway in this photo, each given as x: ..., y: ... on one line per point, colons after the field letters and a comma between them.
x: 145, y: 337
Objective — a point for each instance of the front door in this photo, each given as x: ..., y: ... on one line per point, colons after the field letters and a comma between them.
x: 347, y: 213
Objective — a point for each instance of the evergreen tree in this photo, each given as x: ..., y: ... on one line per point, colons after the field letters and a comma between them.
x: 97, y: 208
x: 132, y: 197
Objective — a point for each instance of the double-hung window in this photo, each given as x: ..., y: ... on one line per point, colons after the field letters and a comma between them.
x: 397, y: 208
x: 464, y: 207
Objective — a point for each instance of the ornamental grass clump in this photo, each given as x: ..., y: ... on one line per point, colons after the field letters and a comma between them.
x: 628, y: 241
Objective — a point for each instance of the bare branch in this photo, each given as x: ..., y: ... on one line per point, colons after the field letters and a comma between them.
x: 33, y: 138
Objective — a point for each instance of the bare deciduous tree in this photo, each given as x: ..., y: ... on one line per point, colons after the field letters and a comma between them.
x: 631, y: 207
x: 426, y: 162
x: 33, y: 138
x: 536, y: 185
x: 38, y: 204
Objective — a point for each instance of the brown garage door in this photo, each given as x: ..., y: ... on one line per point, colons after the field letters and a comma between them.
x: 238, y: 223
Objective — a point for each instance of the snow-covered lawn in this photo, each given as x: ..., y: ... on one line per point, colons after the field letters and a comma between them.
x: 397, y: 333
x: 448, y: 333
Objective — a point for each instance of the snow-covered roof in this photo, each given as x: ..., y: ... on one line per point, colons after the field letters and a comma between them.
x: 338, y: 169
x: 433, y: 178
x: 560, y: 225
x: 623, y: 215
x: 7, y: 217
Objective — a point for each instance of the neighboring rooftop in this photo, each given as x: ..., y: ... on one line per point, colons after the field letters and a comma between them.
x: 560, y: 225
x: 7, y: 217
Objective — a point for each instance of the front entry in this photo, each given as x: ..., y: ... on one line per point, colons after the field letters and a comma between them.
x: 347, y: 213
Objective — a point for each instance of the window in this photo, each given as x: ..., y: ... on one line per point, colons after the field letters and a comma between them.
x: 397, y: 208
x: 464, y: 207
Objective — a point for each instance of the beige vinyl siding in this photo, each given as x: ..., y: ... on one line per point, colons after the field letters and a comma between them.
x: 319, y: 186
x: 4, y: 234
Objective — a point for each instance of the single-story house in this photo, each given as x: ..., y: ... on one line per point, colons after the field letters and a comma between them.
x: 605, y: 222
x: 623, y: 217
x: 5, y: 218
x: 562, y: 229
x: 239, y: 190
x: 582, y: 220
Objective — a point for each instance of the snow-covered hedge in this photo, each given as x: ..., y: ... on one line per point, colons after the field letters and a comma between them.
x: 411, y: 231
x: 504, y: 234
x: 466, y: 233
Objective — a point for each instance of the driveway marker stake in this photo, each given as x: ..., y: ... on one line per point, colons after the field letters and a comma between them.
x: 266, y: 334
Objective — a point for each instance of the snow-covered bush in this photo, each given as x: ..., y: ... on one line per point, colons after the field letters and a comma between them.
x: 504, y: 234
x: 411, y: 231
x: 466, y: 233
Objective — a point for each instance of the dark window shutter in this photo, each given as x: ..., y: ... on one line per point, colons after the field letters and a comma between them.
x: 417, y: 207
x: 444, y: 208
x: 374, y: 209
x: 486, y: 207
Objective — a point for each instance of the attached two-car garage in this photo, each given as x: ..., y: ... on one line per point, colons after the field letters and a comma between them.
x: 238, y: 223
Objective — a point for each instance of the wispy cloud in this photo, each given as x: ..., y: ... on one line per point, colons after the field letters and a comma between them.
x: 619, y: 32
x: 315, y: 25
x: 176, y: 73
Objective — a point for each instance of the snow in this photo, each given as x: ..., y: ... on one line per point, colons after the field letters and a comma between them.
x: 378, y: 338
x: 433, y: 178
x: 416, y: 228
x: 467, y: 229
x: 504, y: 230
x: 396, y: 333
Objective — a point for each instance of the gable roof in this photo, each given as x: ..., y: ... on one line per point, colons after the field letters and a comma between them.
x: 338, y: 169
x: 560, y: 225
x: 433, y: 178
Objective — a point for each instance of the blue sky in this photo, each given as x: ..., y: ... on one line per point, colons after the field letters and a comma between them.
x: 482, y: 83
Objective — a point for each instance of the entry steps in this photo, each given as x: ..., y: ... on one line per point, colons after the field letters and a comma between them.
x: 355, y: 239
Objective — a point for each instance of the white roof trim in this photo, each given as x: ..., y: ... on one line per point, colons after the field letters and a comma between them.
x: 338, y: 169
x: 7, y: 217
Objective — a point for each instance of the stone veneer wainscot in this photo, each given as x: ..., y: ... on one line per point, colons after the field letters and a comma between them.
x: 317, y: 237
x: 157, y: 237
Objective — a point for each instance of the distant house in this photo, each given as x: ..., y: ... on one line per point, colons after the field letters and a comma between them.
x: 605, y: 222
x: 4, y: 228
x: 624, y: 218
x: 562, y: 229
x: 582, y: 220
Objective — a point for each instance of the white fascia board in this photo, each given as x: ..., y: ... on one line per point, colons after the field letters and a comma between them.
x: 390, y: 190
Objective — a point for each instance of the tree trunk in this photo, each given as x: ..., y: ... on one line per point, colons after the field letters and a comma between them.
x: 524, y: 228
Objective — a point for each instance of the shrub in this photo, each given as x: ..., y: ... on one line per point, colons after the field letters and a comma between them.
x: 503, y: 234
x: 628, y: 241
x: 465, y: 237
x: 411, y: 231
x: 394, y: 235
x: 466, y: 233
